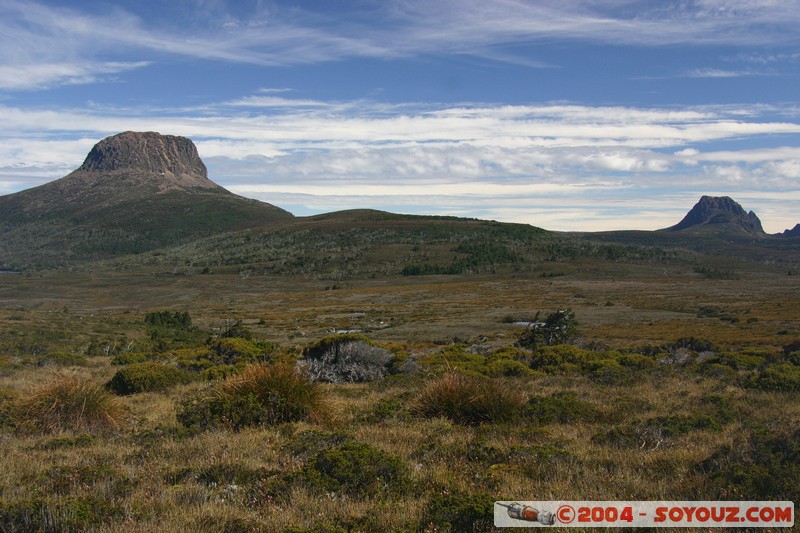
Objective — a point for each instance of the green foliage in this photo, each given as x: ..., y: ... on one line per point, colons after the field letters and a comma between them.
x: 260, y: 395
x: 453, y: 357
x: 147, y: 377
x: 65, y: 479
x: 68, y: 403
x: 387, y: 409
x: 61, y: 358
x: 169, y: 330
x: 165, y: 319
x: 57, y: 515
x: 562, y: 408
x: 69, y: 442
x: 459, y: 511
x: 738, y: 361
x: 783, y: 377
x: 129, y: 358
x: 356, y: 469
x: 469, y: 400
x: 651, y: 433
x: 559, y: 327
x: 765, y: 467
x: 608, y: 372
x: 556, y: 358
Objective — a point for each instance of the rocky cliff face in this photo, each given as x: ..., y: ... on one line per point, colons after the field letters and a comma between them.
x: 722, y: 212
x: 170, y: 158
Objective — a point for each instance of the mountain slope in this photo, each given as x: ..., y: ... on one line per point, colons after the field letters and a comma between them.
x: 134, y: 192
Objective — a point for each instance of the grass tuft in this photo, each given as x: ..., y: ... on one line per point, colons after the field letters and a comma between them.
x: 261, y: 395
x: 68, y: 404
x: 469, y: 400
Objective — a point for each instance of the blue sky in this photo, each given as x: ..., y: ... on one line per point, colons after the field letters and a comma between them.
x: 581, y: 115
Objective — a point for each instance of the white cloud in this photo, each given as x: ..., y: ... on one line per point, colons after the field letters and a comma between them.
x: 486, y: 160
x: 36, y: 38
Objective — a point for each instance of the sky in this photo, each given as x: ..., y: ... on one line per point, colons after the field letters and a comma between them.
x: 571, y: 115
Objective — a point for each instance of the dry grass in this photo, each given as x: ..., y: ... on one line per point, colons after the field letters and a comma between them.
x: 69, y: 404
x: 469, y: 400
x: 153, y: 474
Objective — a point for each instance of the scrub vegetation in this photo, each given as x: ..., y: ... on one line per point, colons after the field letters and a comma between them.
x: 156, y: 395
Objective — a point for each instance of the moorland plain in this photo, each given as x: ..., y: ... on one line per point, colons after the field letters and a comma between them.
x: 665, y: 394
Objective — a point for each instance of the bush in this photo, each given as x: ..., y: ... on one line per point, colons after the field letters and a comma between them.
x: 71, y: 513
x: 766, y: 466
x: 356, y: 469
x: 349, y: 361
x: 459, y: 511
x: 782, y: 378
x: 129, y: 358
x: 260, y: 395
x: 561, y: 407
x: 553, y: 358
x: 651, y: 433
x: 469, y: 400
x: 62, y: 359
x: 559, y: 327
x: 147, y: 377
x: 608, y: 372
x: 69, y: 404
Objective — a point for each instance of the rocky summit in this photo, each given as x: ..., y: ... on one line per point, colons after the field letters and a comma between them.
x: 173, y: 159
x: 720, y: 212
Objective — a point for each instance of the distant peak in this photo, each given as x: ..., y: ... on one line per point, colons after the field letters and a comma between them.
x: 151, y: 152
x: 720, y: 211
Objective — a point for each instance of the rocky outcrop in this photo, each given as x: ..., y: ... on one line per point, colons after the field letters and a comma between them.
x: 172, y: 157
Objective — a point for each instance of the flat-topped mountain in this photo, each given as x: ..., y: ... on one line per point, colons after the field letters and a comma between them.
x: 174, y: 159
x: 719, y: 213
x: 134, y: 192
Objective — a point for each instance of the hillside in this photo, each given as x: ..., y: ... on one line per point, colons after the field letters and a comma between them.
x: 144, y: 199
x: 134, y: 192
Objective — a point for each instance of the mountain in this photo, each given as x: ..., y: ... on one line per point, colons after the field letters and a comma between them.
x: 719, y: 214
x: 794, y: 232
x: 134, y: 192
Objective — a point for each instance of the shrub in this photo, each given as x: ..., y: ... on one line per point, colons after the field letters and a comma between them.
x: 559, y: 327
x: 69, y: 403
x: 553, y: 358
x: 317, y: 349
x: 349, y: 361
x: 459, y: 511
x: 129, y: 358
x: 507, y: 367
x: 561, y: 407
x: 469, y: 400
x: 608, y: 372
x: 454, y: 357
x: 356, y: 469
x: 651, y: 433
x: 62, y: 359
x: 766, y: 466
x: 739, y: 361
x: 147, y: 377
x: 783, y: 378
x: 260, y: 395
x: 72, y: 513
x: 232, y: 350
